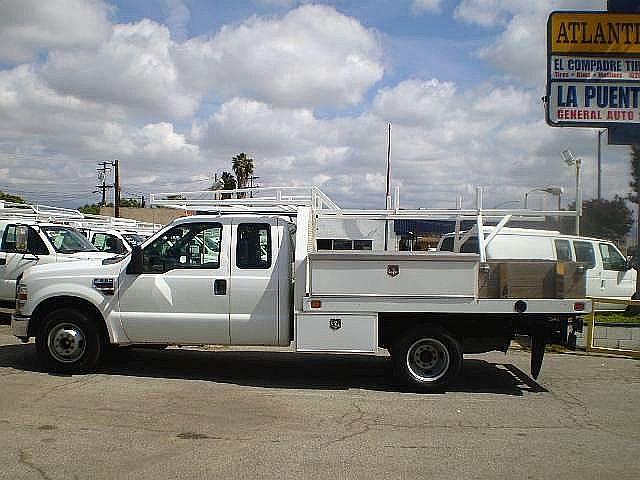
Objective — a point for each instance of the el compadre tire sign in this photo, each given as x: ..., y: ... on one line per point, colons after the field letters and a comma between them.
x: 593, y: 69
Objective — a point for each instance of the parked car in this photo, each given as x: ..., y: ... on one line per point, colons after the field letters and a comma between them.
x: 609, y: 274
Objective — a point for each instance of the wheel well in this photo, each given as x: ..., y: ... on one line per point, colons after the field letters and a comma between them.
x: 55, y: 303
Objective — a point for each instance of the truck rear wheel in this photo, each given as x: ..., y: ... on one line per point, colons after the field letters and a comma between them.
x: 69, y: 341
x: 426, y: 358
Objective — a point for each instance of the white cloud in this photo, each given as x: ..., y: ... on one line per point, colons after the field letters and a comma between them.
x: 28, y: 27
x: 520, y: 48
x: 133, y: 69
x: 313, y: 56
x: 419, y: 7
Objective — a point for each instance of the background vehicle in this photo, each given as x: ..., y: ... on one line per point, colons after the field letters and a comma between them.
x: 41, y: 243
x: 257, y: 278
x: 115, y: 241
x: 608, y: 272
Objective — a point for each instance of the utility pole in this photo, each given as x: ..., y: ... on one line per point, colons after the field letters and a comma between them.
x: 102, y: 175
x: 387, y: 198
x: 116, y: 188
x: 142, y: 200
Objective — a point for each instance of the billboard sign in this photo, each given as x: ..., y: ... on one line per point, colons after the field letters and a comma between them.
x: 593, y: 69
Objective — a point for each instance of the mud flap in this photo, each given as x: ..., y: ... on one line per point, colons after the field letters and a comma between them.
x: 537, y: 353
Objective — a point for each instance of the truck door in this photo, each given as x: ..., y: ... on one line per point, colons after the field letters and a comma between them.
x: 254, y: 282
x: 13, y: 263
x: 182, y: 294
x: 617, y: 280
x: 585, y: 254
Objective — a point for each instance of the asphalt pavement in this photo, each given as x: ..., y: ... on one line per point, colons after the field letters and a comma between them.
x: 227, y: 413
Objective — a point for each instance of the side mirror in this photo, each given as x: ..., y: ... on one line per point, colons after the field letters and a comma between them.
x: 631, y: 263
x: 135, y: 263
x: 22, y: 236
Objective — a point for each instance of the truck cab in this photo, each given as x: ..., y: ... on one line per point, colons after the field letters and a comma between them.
x: 222, y: 280
x: 43, y: 243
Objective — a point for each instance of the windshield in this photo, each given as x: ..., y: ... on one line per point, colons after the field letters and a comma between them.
x: 68, y: 240
x: 134, y: 238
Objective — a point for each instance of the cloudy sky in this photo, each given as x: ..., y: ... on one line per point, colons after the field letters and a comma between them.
x: 174, y: 88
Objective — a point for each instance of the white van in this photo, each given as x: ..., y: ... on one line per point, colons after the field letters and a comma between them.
x: 609, y: 273
x: 115, y: 241
x: 46, y: 243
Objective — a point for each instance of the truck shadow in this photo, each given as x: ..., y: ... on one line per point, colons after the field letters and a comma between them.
x: 284, y: 370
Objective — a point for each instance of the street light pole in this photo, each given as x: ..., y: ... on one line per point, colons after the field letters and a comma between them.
x: 599, y: 189
x: 570, y: 160
x: 579, y: 194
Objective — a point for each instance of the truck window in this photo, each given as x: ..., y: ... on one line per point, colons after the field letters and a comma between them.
x: 68, y: 240
x: 191, y: 245
x: 253, y: 249
x: 584, y: 253
x: 106, y: 242
x: 470, y: 246
x: 35, y: 244
x: 447, y: 244
x: 9, y: 239
x: 611, y: 258
x: 563, y: 250
x: 362, y: 244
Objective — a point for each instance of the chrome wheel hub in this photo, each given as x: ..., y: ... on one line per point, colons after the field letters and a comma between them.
x: 66, y: 342
x: 428, y: 359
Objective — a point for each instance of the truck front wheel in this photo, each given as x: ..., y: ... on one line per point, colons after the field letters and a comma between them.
x: 426, y: 358
x: 69, y: 341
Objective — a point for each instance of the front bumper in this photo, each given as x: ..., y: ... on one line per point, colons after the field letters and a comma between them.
x: 20, y: 325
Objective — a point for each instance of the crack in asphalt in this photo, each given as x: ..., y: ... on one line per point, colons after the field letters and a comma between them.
x: 23, y: 458
x: 360, y: 418
x: 82, y: 381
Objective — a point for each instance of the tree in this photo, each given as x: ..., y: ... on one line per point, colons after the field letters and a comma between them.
x: 7, y: 197
x: 226, y: 182
x: 634, y: 196
x: 91, y: 209
x: 610, y: 219
x: 243, y: 168
x: 130, y: 202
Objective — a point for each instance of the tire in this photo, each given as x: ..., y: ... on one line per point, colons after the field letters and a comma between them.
x: 426, y: 358
x: 69, y: 342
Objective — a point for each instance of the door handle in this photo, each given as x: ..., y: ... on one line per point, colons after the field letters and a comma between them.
x: 220, y: 287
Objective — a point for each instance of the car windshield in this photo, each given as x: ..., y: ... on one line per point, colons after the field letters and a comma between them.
x: 68, y: 240
x: 134, y: 238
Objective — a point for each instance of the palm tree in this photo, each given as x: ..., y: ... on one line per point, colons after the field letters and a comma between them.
x: 243, y: 168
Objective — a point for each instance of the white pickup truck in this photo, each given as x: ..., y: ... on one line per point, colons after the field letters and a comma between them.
x: 258, y: 279
x: 25, y: 243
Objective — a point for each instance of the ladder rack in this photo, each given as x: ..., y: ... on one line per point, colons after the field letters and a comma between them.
x: 288, y: 199
x: 38, y: 213
x: 247, y: 200
x: 68, y: 216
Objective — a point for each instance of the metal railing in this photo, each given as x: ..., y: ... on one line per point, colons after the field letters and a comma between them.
x: 592, y: 323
